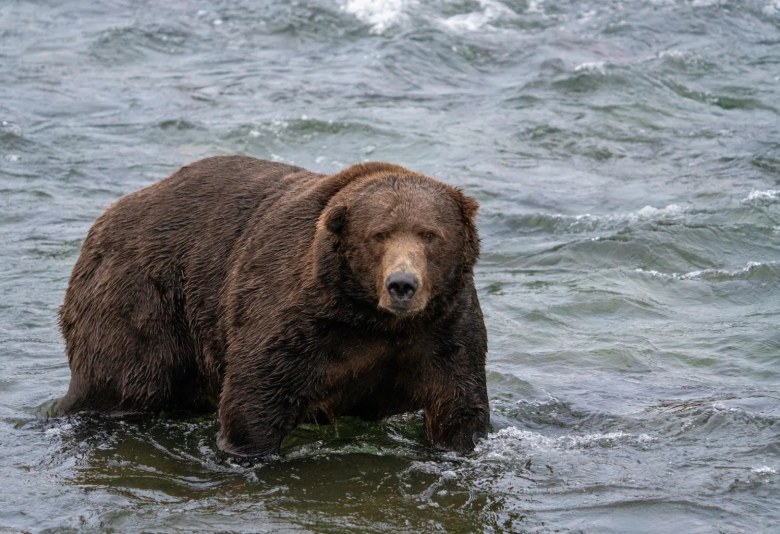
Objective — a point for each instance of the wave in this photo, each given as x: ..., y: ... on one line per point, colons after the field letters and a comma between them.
x: 753, y: 269
x: 588, y: 222
x: 598, y: 67
x: 645, y: 213
x: 382, y: 15
x: 769, y: 196
x: 131, y: 43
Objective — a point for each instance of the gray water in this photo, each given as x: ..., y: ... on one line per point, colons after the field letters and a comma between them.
x: 626, y: 155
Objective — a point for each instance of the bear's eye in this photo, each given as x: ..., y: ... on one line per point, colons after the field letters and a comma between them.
x: 428, y: 237
x: 379, y: 236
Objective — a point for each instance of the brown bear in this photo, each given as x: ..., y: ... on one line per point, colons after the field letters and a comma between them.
x: 279, y: 295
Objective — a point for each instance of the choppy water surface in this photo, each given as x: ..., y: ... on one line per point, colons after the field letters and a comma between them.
x: 627, y: 158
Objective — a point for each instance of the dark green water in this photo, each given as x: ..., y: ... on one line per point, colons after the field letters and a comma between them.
x: 627, y: 158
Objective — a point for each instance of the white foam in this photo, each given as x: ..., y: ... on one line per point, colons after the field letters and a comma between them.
x: 590, y: 440
x: 709, y: 273
x: 698, y: 274
x: 598, y: 67
x: 772, y: 8
x: 764, y: 470
x: 11, y: 128
x: 59, y: 430
x: 653, y: 273
x: 674, y: 54
x: 535, y: 6
x: 506, y: 444
x: 648, y: 212
x: 468, y: 22
x: 770, y: 195
x: 751, y: 265
x: 651, y: 212
x: 379, y: 14
x: 689, y: 58
x: 510, y: 442
x: 478, y: 20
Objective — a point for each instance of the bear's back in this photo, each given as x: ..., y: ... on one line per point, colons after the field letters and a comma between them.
x: 178, y: 236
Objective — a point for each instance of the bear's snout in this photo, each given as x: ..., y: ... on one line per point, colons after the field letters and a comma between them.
x: 402, y: 287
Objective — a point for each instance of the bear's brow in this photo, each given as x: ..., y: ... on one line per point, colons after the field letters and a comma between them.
x: 399, y: 183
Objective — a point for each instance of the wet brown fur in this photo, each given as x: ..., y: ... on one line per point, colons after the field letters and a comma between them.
x: 258, y: 288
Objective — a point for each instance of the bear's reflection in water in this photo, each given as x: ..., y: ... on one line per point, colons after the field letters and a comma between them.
x: 350, y: 473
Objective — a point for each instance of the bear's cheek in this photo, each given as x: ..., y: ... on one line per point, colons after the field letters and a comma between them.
x: 364, y: 259
x: 443, y: 266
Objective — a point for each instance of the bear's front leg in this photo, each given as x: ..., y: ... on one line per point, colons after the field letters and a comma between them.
x: 264, y: 396
x: 457, y: 414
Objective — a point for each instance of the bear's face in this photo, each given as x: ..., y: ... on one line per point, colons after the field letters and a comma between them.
x: 405, y: 240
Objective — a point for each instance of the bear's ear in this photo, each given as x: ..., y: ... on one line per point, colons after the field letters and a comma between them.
x: 336, y: 218
x: 470, y: 206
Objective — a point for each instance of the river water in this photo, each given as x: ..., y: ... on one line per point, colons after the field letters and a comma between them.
x: 626, y: 155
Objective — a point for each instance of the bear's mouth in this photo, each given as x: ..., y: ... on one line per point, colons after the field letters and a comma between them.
x: 401, y: 311
x: 403, y: 308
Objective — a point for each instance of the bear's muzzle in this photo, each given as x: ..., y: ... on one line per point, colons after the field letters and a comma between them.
x: 402, y: 286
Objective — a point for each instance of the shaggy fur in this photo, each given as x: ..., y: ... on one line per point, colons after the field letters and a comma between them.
x: 262, y: 289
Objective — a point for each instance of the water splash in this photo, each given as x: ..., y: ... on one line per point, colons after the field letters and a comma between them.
x: 490, y: 11
x: 380, y: 15
x: 510, y: 442
x: 765, y: 197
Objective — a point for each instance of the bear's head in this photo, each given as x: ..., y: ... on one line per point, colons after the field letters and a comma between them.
x: 404, y: 240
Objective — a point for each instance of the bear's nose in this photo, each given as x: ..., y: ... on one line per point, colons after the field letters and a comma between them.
x: 402, y: 286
